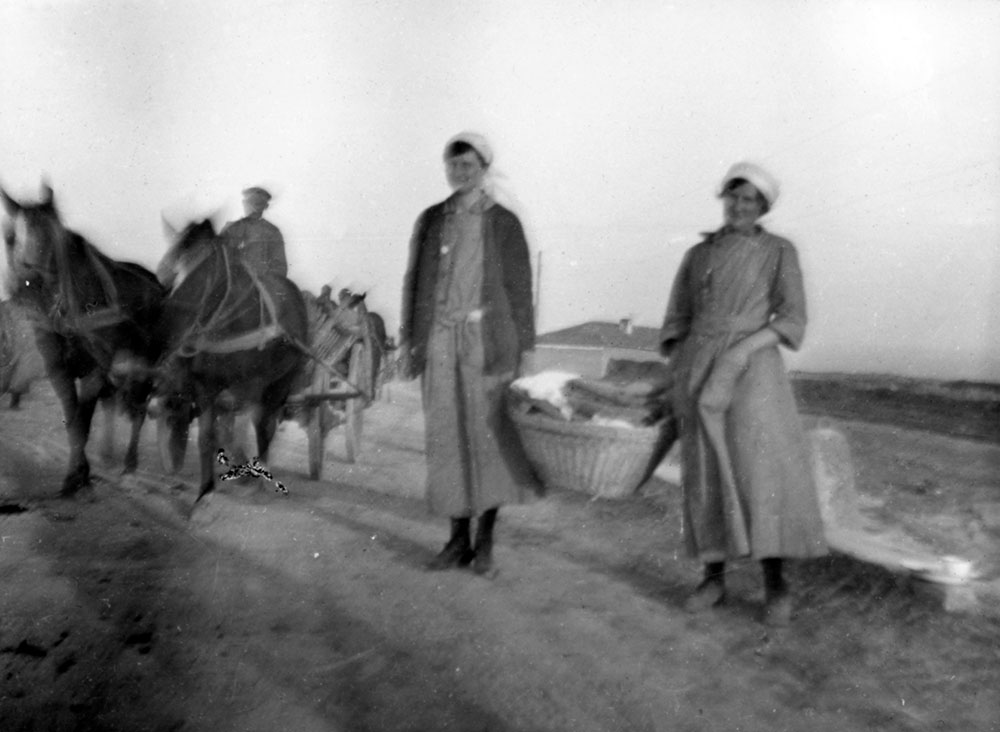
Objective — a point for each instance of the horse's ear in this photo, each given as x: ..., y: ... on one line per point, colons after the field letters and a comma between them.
x: 218, y: 220
x: 168, y: 230
x: 47, y: 196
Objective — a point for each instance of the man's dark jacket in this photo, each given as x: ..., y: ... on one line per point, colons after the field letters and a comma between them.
x: 508, y: 313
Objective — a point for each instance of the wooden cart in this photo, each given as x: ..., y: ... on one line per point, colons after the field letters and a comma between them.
x: 340, y: 377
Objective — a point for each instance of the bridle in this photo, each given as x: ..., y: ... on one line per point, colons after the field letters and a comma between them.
x: 67, y: 311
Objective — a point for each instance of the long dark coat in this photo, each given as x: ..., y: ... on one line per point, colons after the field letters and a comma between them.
x: 467, y: 318
x: 508, y: 318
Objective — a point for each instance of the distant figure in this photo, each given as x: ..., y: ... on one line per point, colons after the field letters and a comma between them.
x: 745, y: 465
x: 467, y: 319
x: 20, y: 362
x: 257, y: 240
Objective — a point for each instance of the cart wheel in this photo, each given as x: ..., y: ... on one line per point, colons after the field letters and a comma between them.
x: 316, y: 427
x: 353, y: 407
x: 172, y: 443
x: 352, y: 428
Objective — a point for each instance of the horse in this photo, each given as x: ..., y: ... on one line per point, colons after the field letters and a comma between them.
x: 90, y: 314
x: 233, y: 339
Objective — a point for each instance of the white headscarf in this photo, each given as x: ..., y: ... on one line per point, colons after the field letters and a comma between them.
x: 759, y: 178
x: 494, y: 181
x: 476, y: 141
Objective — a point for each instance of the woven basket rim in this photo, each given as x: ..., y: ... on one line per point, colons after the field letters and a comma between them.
x: 546, y: 423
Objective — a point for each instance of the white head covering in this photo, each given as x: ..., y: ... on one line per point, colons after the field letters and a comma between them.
x: 763, y: 181
x: 476, y: 141
x: 494, y: 182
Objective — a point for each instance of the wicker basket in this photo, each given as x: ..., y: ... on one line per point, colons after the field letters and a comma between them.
x: 604, y: 461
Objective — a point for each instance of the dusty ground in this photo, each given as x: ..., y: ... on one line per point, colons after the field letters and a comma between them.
x: 311, y: 611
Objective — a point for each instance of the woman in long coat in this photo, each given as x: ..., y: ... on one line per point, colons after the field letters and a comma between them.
x: 467, y: 319
x: 748, y: 486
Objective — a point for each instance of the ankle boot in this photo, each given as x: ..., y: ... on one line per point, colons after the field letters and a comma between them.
x: 458, y: 551
x: 777, y: 599
x: 711, y: 591
x: 482, y: 562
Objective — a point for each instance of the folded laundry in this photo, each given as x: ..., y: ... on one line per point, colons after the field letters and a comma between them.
x: 636, y: 401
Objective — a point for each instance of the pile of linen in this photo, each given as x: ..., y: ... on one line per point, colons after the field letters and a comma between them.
x: 631, y: 394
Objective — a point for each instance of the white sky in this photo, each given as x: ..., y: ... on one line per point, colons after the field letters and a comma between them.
x: 612, y: 124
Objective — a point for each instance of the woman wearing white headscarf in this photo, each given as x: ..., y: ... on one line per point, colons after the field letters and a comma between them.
x: 467, y: 319
x: 748, y: 487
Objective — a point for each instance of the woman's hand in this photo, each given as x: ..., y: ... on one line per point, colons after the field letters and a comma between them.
x: 717, y: 393
x: 737, y: 357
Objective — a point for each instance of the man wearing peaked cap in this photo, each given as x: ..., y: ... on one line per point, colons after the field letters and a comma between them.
x: 256, y: 240
x: 257, y: 192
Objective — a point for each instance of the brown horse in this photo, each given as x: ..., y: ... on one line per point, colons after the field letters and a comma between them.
x: 89, y: 313
x: 233, y: 339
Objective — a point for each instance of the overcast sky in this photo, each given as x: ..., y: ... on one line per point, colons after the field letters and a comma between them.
x: 612, y: 124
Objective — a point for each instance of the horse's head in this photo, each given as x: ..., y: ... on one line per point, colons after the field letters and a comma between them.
x: 195, y: 235
x: 189, y: 247
x: 33, y: 238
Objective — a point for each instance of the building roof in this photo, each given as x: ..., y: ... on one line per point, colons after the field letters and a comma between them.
x: 597, y: 334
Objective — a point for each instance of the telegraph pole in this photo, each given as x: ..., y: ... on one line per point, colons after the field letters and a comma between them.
x: 538, y: 289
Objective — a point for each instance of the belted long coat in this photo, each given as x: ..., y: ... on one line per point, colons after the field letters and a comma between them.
x: 748, y: 484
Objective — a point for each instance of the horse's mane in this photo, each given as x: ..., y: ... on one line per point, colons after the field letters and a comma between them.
x: 75, y: 258
x: 89, y: 278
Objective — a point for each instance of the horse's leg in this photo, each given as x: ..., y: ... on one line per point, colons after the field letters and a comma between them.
x: 137, y: 415
x: 266, y: 424
x: 239, y: 436
x: 107, y: 437
x: 78, y: 469
x: 207, y: 443
x: 232, y: 427
x: 272, y: 402
x: 79, y: 431
x: 52, y: 349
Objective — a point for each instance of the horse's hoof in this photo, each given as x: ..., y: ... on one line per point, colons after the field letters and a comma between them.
x: 204, y: 511
x: 73, y: 485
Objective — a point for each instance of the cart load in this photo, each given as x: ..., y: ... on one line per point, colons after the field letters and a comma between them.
x: 340, y: 376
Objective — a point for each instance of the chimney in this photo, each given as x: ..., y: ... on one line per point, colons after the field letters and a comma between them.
x: 625, y: 326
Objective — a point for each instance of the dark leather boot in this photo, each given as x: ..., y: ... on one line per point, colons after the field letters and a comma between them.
x: 482, y: 562
x: 711, y: 591
x: 777, y: 599
x: 458, y: 551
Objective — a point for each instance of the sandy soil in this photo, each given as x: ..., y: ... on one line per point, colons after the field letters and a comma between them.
x: 312, y: 611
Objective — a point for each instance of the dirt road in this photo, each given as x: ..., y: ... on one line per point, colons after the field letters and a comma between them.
x: 312, y: 611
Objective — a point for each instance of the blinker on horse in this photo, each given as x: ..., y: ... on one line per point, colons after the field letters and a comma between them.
x: 91, y: 314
